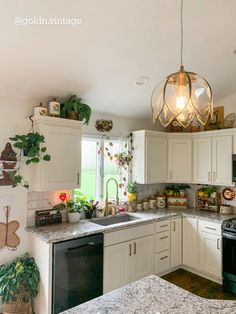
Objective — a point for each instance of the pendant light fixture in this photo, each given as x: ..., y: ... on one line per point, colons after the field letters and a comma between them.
x: 182, y: 95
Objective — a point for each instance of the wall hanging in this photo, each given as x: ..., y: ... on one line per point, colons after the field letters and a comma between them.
x: 8, y: 164
x: 8, y: 236
x: 104, y: 125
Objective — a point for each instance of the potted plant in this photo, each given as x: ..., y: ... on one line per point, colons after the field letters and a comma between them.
x: 31, y: 146
x: 90, y: 208
x: 74, y: 108
x: 132, y: 190
x: 19, y: 282
x: 73, y: 211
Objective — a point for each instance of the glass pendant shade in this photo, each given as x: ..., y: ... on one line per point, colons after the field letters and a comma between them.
x: 182, y: 96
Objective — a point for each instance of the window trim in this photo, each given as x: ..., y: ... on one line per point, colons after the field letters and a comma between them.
x: 99, y: 188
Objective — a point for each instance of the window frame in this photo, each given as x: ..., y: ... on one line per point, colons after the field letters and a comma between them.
x: 99, y: 187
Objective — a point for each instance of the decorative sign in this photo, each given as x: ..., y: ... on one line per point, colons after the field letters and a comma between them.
x: 8, y: 236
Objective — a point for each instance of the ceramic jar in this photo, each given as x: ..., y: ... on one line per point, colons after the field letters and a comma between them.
x: 161, y: 201
x: 73, y: 217
x: 139, y: 206
x: 54, y: 108
x: 40, y: 110
x: 152, y: 202
x: 145, y: 204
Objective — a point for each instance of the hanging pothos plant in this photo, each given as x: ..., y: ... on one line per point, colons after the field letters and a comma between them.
x: 31, y: 146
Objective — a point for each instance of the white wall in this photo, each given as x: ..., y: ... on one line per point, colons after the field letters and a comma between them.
x: 229, y: 104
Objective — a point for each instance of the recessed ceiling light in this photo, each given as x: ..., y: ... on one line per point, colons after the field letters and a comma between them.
x: 142, y: 80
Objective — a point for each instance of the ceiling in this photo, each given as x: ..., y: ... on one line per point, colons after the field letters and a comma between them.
x: 116, y: 42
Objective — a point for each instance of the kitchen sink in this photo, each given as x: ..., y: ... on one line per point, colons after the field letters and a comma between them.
x: 106, y: 221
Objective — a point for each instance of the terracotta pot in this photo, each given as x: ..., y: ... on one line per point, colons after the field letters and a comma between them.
x: 73, y: 115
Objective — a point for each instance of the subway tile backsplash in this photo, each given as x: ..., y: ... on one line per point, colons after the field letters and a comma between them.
x: 40, y: 201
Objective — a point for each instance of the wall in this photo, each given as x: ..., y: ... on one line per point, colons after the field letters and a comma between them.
x: 229, y: 103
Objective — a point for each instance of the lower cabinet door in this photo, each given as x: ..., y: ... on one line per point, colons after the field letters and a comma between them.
x: 162, y: 262
x: 176, y: 242
x: 142, y: 257
x: 117, y: 263
x: 210, y: 254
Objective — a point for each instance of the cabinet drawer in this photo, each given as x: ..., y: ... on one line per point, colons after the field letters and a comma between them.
x: 163, y: 225
x: 162, y: 262
x: 128, y: 234
x: 162, y: 241
x: 209, y: 227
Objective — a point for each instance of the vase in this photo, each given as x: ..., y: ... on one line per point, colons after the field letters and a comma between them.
x: 73, y: 217
x: 88, y: 215
x: 73, y: 115
x: 18, y: 307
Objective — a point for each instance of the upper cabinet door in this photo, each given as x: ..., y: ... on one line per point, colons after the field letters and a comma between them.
x: 222, y: 159
x: 156, y: 159
x: 202, y: 160
x: 63, y: 142
x: 180, y: 160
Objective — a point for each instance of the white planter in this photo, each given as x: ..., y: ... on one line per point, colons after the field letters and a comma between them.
x: 73, y: 217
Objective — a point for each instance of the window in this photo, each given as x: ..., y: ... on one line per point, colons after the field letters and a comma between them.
x: 99, y: 165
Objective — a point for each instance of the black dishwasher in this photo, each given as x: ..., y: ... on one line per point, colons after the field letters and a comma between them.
x: 77, y: 272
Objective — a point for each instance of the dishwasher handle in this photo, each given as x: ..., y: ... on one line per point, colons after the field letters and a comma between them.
x: 82, y: 246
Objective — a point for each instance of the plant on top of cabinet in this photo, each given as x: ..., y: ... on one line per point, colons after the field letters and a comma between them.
x: 73, y: 108
x: 31, y: 146
x: 19, y: 282
x: 132, y: 190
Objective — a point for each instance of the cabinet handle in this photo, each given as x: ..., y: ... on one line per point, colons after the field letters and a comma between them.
x: 210, y: 228
x: 162, y: 226
x: 214, y: 176
x: 164, y: 257
x: 218, y: 244
x: 164, y: 238
x: 130, y: 249
x: 173, y: 225
x: 78, y: 178
x: 134, y: 248
x: 209, y: 176
x: 170, y: 174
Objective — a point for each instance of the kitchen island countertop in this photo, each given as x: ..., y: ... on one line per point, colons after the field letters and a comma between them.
x: 153, y: 295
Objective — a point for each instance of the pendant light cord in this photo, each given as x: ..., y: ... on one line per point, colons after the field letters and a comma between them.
x: 182, y: 32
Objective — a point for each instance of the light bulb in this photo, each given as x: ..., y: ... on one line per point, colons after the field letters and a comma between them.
x: 180, y: 98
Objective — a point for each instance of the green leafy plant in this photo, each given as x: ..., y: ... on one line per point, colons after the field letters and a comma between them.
x: 132, y: 188
x: 90, y: 208
x: 30, y: 146
x: 19, y: 278
x: 209, y: 189
x: 123, y: 159
x: 75, y: 105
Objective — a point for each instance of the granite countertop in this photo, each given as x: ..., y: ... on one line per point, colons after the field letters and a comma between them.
x: 67, y: 231
x: 153, y: 295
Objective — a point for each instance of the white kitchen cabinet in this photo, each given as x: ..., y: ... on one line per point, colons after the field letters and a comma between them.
x: 142, y: 257
x: 180, y: 159
x: 222, y: 159
x: 176, y: 242
x: 63, y: 142
x: 210, y: 254
x: 117, y: 266
x: 149, y: 163
x: 202, y: 160
x: 213, y: 159
x: 190, y: 242
x: 128, y: 256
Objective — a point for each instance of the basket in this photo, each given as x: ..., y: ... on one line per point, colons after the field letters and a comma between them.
x: 17, y: 307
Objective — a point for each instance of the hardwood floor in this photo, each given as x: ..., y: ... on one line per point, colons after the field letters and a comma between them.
x: 198, y: 285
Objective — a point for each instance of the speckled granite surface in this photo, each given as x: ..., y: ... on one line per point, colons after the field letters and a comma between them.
x: 153, y: 295
x: 66, y: 231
